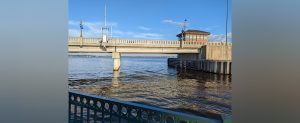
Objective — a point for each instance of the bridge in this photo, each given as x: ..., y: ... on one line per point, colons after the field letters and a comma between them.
x: 117, y: 46
x: 92, y: 45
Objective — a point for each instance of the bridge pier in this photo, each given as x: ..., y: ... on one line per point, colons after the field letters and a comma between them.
x: 215, y: 67
x: 116, y: 79
x: 222, y: 67
x: 209, y: 66
x: 117, y: 60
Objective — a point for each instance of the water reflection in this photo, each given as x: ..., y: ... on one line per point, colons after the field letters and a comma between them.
x: 150, y: 81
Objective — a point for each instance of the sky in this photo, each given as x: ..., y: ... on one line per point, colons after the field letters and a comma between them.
x: 150, y: 19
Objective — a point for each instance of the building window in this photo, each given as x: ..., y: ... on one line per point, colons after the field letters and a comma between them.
x: 187, y: 37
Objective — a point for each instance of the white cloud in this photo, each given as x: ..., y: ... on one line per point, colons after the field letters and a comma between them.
x: 74, y: 32
x: 148, y: 35
x: 144, y: 28
x: 140, y: 35
x: 71, y: 22
x: 93, y: 29
x: 90, y: 29
x: 169, y: 21
x: 209, y: 28
x: 90, y: 23
x: 220, y: 37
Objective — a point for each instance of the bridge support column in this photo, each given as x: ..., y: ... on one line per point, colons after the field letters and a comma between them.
x: 117, y: 60
x: 211, y: 66
x: 116, y: 79
x: 215, y: 67
x: 198, y: 65
x: 222, y: 68
x: 207, y: 66
x: 203, y: 66
x: 227, y: 68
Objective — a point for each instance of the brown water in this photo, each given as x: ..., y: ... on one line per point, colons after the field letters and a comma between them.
x: 150, y: 81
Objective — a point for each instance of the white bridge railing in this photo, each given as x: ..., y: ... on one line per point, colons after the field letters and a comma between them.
x: 75, y: 41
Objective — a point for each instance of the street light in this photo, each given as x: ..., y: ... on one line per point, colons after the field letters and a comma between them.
x: 183, y: 30
x: 81, y: 37
x: 226, y: 19
x: 81, y: 27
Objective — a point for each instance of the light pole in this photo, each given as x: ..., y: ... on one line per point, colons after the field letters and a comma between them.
x: 226, y: 50
x: 226, y: 20
x: 81, y: 27
x: 81, y: 37
x: 182, y: 32
x: 105, y: 29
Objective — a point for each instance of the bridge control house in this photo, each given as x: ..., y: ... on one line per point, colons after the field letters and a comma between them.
x: 194, y: 36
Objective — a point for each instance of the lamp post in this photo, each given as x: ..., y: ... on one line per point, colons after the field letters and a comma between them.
x: 81, y: 27
x: 182, y: 32
x: 81, y: 37
x: 226, y: 20
x: 105, y: 29
x: 226, y: 50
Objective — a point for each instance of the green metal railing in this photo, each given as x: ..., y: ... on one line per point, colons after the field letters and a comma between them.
x: 96, y: 109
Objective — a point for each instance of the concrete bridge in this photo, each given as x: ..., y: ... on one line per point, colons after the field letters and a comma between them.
x: 92, y: 45
x: 187, y: 50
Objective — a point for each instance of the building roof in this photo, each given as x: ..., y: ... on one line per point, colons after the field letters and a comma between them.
x: 192, y: 31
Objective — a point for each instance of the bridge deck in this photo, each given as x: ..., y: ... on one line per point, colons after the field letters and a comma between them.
x: 77, y: 44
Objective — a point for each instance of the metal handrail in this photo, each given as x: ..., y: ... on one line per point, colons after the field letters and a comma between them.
x: 87, y: 108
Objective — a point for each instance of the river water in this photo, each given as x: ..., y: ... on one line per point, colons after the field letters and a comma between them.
x: 150, y: 81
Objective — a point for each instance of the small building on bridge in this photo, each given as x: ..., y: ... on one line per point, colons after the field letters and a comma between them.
x: 194, y: 36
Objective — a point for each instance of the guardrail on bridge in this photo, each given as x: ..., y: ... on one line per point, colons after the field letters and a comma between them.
x: 137, y: 42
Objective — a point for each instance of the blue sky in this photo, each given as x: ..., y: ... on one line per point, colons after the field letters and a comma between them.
x: 149, y: 19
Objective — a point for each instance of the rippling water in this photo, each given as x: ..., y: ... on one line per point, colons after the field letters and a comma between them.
x: 150, y: 81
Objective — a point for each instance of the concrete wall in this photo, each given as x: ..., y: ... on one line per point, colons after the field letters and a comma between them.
x: 189, y: 56
x: 216, y: 52
x: 220, y: 52
x: 213, y: 58
x: 218, y: 67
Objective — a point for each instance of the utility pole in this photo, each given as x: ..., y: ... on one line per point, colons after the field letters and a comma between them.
x: 182, y: 33
x: 226, y: 45
x: 226, y: 20
x: 81, y: 37
x: 81, y: 27
x: 105, y: 29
